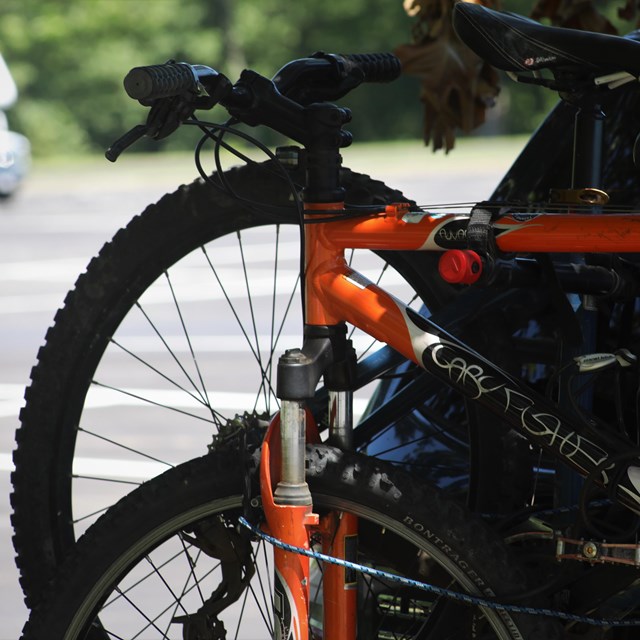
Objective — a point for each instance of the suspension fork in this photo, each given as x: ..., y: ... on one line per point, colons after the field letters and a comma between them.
x: 327, y: 353
x: 288, y: 509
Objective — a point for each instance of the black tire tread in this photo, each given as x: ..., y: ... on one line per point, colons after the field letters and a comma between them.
x: 331, y: 472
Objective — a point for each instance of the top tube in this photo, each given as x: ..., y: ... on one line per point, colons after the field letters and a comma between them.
x: 514, y: 233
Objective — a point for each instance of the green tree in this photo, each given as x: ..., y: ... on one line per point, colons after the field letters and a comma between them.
x: 69, y: 57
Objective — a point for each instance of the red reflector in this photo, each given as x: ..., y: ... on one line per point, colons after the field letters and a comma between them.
x: 460, y: 266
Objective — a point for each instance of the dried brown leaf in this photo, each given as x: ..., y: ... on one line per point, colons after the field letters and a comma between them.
x: 573, y: 14
x: 456, y: 85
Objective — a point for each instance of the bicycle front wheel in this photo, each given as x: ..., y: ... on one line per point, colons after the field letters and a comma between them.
x: 156, y: 559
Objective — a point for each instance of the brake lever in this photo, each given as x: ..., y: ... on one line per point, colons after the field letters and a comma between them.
x: 164, y: 118
x: 199, y: 88
x: 124, y: 142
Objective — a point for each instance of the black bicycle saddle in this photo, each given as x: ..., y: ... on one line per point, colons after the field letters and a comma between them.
x: 514, y: 43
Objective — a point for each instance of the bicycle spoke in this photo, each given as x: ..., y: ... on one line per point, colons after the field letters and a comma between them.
x: 285, y: 315
x: 236, y: 315
x: 198, y: 398
x: 265, y: 601
x: 170, y: 351
x: 265, y: 369
x: 90, y: 515
x: 192, y: 564
x: 269, y: 366
x: 275, y: 288
x: 144, y: 578
x: 152, y: 402
x: 150, y: 622
x: 177, y: 599
x: 243, y: 262
x: 120, y: 445
x: 110, y: 480
x: 186, y: 335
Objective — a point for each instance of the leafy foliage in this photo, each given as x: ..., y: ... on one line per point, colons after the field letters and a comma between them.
x: 69, y: 57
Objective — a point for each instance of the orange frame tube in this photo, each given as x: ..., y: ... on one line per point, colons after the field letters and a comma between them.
x: 340, y: 594
x: 288, y: 524
x: 336, y: 293
x: 398, y: 229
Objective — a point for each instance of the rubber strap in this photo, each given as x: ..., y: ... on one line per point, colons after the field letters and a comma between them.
x: 480, y: 236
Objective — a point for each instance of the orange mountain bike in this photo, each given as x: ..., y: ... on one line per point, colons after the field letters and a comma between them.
x: 362, y: 548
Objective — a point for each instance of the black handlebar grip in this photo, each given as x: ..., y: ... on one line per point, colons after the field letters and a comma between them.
x: 160, y: 81
x: 377, y: 67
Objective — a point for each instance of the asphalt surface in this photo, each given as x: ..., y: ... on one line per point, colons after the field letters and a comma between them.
x: 63, y: 215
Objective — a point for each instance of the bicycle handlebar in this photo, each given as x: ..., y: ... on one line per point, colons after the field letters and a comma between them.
x: 376, y: 67
x: 177, y: 78
x: 174, y: 90
x: 158, y: 81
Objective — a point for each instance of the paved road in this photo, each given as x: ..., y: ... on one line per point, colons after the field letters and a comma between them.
x: 63, y: 216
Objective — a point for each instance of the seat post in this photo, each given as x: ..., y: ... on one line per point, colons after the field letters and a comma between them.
x: 586, y: 173
x: 588, y: 141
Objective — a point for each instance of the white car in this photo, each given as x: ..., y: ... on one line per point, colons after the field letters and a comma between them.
x: 15, y: 150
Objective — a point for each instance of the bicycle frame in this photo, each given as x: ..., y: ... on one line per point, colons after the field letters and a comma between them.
x: 335, y: 294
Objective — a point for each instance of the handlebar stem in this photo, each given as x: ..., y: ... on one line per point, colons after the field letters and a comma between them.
x: 256, y: 100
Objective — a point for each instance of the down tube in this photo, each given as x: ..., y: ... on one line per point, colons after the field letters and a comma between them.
x: 367, y: 306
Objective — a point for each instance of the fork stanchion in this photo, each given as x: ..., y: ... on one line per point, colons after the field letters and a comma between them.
x: 339, y: 531
x: 292, y: 488
x: 341, y: 419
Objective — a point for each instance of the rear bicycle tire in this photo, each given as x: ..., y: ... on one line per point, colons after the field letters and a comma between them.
x: 61, y: 415
x: 126, y: 570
